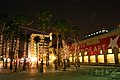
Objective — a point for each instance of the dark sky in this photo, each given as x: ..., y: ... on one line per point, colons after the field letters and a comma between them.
x: 90, y: 15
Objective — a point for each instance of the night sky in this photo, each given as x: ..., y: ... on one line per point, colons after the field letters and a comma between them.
x: 90, y: 15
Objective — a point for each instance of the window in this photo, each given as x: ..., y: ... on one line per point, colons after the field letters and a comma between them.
x: 92, y: 59
x: 119, y: 50
x: 119, y: 57
x: 110, y: 58
x: 85, y: 59
x: 80, y: 58
x: 100, y: 31
x: 96, y: 32
x: 80, y: 54
x: 85, y: 53
x: 100, y: 51
x: 109, y: 50
x: 91, y: 34
x: 100, y: 58
x: 106, y: 30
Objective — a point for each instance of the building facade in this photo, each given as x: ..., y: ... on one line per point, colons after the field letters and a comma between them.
x: 101, y: 49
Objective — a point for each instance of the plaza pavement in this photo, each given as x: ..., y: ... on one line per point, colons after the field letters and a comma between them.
x: 81, y: 73
x: 34, y: 74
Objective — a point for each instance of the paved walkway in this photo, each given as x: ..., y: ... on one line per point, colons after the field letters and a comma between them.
x: 73, y: 75
x: 93, y: 71
x: 33, y: 69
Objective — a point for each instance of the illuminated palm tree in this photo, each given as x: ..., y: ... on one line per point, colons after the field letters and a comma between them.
x: 3, y: 26
x: 9, y: 31
x: 17, y: 21
x: 13, y: 31
x: 44, y: 24
x: 61, y: 26
x: 24, y: 20
x: 76, y: 30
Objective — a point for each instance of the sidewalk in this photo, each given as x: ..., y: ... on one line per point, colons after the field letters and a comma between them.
x: 82, y: 69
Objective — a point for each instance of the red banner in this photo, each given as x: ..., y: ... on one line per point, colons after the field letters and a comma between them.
x: 94, y: 47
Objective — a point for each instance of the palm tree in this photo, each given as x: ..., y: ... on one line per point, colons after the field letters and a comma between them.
x: 24, y: 20
x: 37, y: 40
x: 9, y: 32
x: 76, y: 30
x: 61, y: 27
x: 3, y: 26
x: 13, y: 30
x: 44, y: 22
x: 20, y: 51
x: 26, y: 40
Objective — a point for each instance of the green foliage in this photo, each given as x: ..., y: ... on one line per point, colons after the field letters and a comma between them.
x: 22, y: 20
x: 61, y: 25
x: 44, y: 18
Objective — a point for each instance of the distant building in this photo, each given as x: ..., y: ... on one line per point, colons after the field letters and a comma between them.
x: 42, y: 47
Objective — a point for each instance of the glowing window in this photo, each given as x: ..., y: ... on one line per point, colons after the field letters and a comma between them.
x: 103, y: 31
x: 109, y: 50
x: 80, y: 58
x: 100, y: 58
x: 110, y: 58
x: 88, y: 35
x: 99, y: 31
x: 74, y: 59
x: 96, y: 32
x: 85, y: 53
x: 92, y: 59
x: 91, y: 34
x: 100, y: 51
x: 106, y: 30
x: 70, y: 59
x: 74, y: 54
x: 79, y: 54
x: 85, y: 59
x: 119, y: 57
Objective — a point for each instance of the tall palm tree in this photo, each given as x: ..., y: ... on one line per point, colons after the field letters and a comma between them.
x: 44, y: 24
x: 61, y: 27
x: 13, y: 30
x: 9, y: 32
x: 76, y: 30
x: 24, y: 20
x: 26, y: 40
x: 37, y: 40
x: 4, y: 18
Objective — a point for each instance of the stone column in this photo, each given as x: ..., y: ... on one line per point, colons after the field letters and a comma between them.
x: 105, y: 56
x: 116, y: 52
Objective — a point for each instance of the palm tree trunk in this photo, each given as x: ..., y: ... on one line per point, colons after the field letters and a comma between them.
x: 6, y: 54
x: 16, y: 52
x: 58, y: 50
x: 24, y: 56
x: 11, y: 53
x: 2, y: 42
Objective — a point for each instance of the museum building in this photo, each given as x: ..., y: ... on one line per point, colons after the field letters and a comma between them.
x: 100, y: 49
